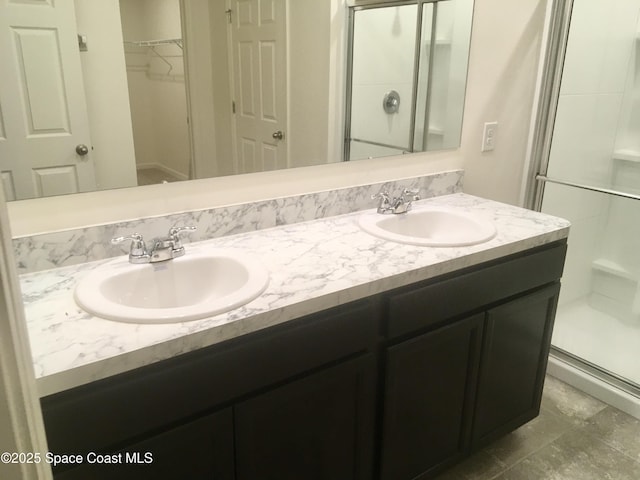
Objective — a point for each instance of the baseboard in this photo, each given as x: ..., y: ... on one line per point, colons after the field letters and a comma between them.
x: 594, y: 386
x: 164, y: 168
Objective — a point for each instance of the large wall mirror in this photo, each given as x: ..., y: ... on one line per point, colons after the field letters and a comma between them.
x: 120, y: 93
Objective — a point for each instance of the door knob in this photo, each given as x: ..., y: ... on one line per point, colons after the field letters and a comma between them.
x: 82, y: 150
x: 279, y: 135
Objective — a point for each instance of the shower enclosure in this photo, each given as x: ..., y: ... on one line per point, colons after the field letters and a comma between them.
x: 407, y: 66
x: 589, y: 173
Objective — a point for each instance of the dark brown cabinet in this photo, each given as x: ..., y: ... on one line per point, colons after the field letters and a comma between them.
x: 202, y: 449
x: 458, y: 387
x: 398, y: 386
x: 465, y: 360
x: 290, y: 402
x: 514, y: 361
x: 317, y: 428
x: 428, y: 399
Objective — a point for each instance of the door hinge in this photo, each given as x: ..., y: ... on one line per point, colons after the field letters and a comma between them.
x: 229, y: 13
x: 233, y: 106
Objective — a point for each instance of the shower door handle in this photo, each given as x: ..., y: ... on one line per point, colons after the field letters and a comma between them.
x: 279, y: 135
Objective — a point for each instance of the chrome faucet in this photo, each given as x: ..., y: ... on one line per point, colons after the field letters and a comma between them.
x: 397, y: 205
x: 162, y: 248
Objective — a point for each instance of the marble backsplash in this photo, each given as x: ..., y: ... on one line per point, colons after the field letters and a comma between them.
x: 70, y: 247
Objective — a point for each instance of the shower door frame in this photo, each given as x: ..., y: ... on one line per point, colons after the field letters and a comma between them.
x: 416, y: 70
x: 539, y: 155
x: 552, y: 68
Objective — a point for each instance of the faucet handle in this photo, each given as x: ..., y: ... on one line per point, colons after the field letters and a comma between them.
x: 383, y: 195
x: 385, y: 201
x: 411, y: 192
x: 384, y: 198
x: 174, y: 234
x: 138, y: 247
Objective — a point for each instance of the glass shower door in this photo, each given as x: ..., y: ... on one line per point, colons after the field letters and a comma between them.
x: 382, y: 81
x: 593, y: 179
x: 406, y: 76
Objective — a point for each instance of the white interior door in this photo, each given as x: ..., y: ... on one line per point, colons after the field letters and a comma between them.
x: 258, y: 53
x: 43, y: 116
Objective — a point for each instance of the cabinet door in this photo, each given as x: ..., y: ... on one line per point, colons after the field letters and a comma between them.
x: 317, y: 428
x: 428, y: 400
x: 199, y: 450
x: 514, y: 362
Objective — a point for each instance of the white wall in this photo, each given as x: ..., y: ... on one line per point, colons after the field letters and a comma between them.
x: 452, y: 97
x: 20, y: 416
x: 105, y: 83
x: 505, y: 45
x: 502, y: 73
x: 206, y: 48
x: 628, y: 134
x: 308, y: 37
x: 157, y: 90
x: 221, y: 90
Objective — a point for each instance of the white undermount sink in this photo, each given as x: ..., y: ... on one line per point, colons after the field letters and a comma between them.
x: 430, y: 227
x: 191, y: 287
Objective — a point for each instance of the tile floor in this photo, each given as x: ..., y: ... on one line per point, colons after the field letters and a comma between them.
x: 152, y: 176
x: 575, y: 437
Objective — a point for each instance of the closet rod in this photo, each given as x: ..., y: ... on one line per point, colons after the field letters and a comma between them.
x: 155, y: 43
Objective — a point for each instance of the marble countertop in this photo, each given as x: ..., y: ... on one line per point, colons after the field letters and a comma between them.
x: 313, y: 266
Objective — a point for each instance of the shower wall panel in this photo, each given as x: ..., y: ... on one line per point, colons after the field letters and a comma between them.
x: 383, y: 60
x: 599, y: 312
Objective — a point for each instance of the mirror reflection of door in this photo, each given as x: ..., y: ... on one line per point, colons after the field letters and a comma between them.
x: 246, y: 71
x: 192, y: 131
x: 44, y: 132
x: 258, y: 53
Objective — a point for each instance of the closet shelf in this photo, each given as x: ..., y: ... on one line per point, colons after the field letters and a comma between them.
x: 155, y: 43
x: 152, y: 44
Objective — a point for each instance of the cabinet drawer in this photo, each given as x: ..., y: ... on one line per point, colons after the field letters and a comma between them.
x: 439, y: 299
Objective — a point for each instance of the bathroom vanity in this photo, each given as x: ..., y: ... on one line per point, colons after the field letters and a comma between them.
x: 398, y: 362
